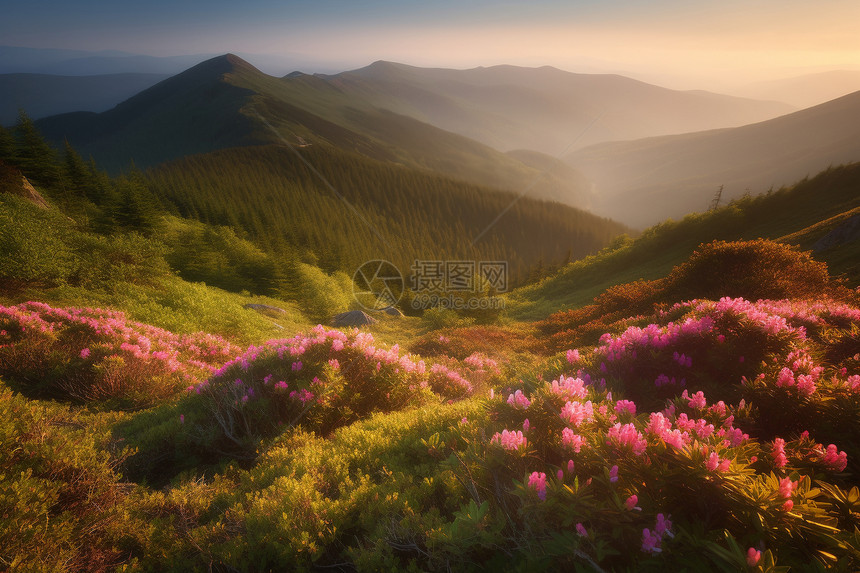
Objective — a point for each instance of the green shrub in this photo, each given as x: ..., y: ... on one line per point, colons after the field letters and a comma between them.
x: 62, y: 502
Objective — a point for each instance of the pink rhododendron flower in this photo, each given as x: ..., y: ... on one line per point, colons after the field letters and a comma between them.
x: 835, y: 461
x: 581, y: 531
x: 509, y: 440
x: 630, y: 503
x: 786, y: 486
x: 650, y: 542
x: 519, y: 400
x: 537, y: 481
x: 697, y: 400
x: 753, y: 556
x: 628, y: 406
x: 627, y: 437
x: 569, y: 388
x: 779, y: 459
x: 575, y: 413
x: 571, y: 440
x: 85, y: 353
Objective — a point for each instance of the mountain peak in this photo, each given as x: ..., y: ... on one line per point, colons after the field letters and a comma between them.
x: 220, y: 65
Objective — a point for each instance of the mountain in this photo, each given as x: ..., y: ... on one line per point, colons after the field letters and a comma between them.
x: 347, y: 209
x: 41, y: 95
x: 806, y: 90
x: 821, y: 213
x: 85, y: 63
x: 226, y: 102
x: 545, y: 109
x: 644, y: 181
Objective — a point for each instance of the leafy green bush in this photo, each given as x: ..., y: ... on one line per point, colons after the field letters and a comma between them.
x: 62, y: 502
x: 217, y: 256
x: 321, y: 295
x: 34, y: 244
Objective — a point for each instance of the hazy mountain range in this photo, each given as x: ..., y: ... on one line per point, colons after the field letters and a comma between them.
x: 226, y: 102
x: 504, y: 127
x: 640, y: 182
x: 545, y: 109
x: 42, y: 95
x: 806, y: 90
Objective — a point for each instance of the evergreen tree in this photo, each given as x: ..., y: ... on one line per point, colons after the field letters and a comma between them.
x: 78, y: 176
x: 35, y: 157
x: 7, y: 146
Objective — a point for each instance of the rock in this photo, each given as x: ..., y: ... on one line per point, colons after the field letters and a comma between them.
x: 353, y: 318
x: 12, y: 181
x: 846, y: 232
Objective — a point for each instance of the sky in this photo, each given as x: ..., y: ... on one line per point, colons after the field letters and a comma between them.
x: 680, y: 43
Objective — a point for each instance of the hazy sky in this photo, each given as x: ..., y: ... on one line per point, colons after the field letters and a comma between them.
x: 686, y: 42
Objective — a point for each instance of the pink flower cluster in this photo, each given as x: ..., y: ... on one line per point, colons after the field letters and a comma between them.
x: 652, y: 540
x: 537, y: 481
x: 627, y: 437
x: 625, y: 406
x: 519, y: 400
x: 482, y: 363
x: 569, y: 388
x: 715, y: 463
x: 575, y: 413
x: 509, y: 440
x: 571, y: 440
x: 95, y: 335
x: 786, y: 487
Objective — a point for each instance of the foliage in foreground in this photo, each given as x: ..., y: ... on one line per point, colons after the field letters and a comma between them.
x: 95, y: 355
x: 709, y: 435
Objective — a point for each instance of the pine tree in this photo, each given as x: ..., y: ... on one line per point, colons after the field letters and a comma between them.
x: 35, y: 157
x: 7, y: 146
x: 77, y: 173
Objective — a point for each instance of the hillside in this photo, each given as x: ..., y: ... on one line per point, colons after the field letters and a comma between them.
x: 642, y: 182
x: 243, y: 106
x: 158, y: 424
x: 545, y: 109
x: 708, y: 434
x: 806, y: 90
x: 378, y: 211
x: 41, y: 95
x: 801, y: 215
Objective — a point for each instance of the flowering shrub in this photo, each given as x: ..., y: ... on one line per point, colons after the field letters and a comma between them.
x: 703, y: 435
x: 322, y: 380
x: 99, y: 355
x: 745, y: 450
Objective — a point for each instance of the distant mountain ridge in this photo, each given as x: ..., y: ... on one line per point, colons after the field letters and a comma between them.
x: 15, y: 59
x: 41, y: 95
x: 545, y: 109
x: 806, y: 90
x: 642, y: 182
x: 226, y: 102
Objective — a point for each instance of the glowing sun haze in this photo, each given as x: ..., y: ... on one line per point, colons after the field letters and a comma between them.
x: 687, y: 43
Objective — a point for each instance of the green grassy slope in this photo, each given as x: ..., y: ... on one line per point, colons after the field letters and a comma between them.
x: 645, y: 181
x: 793, y: 215
x: 384, y: 211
